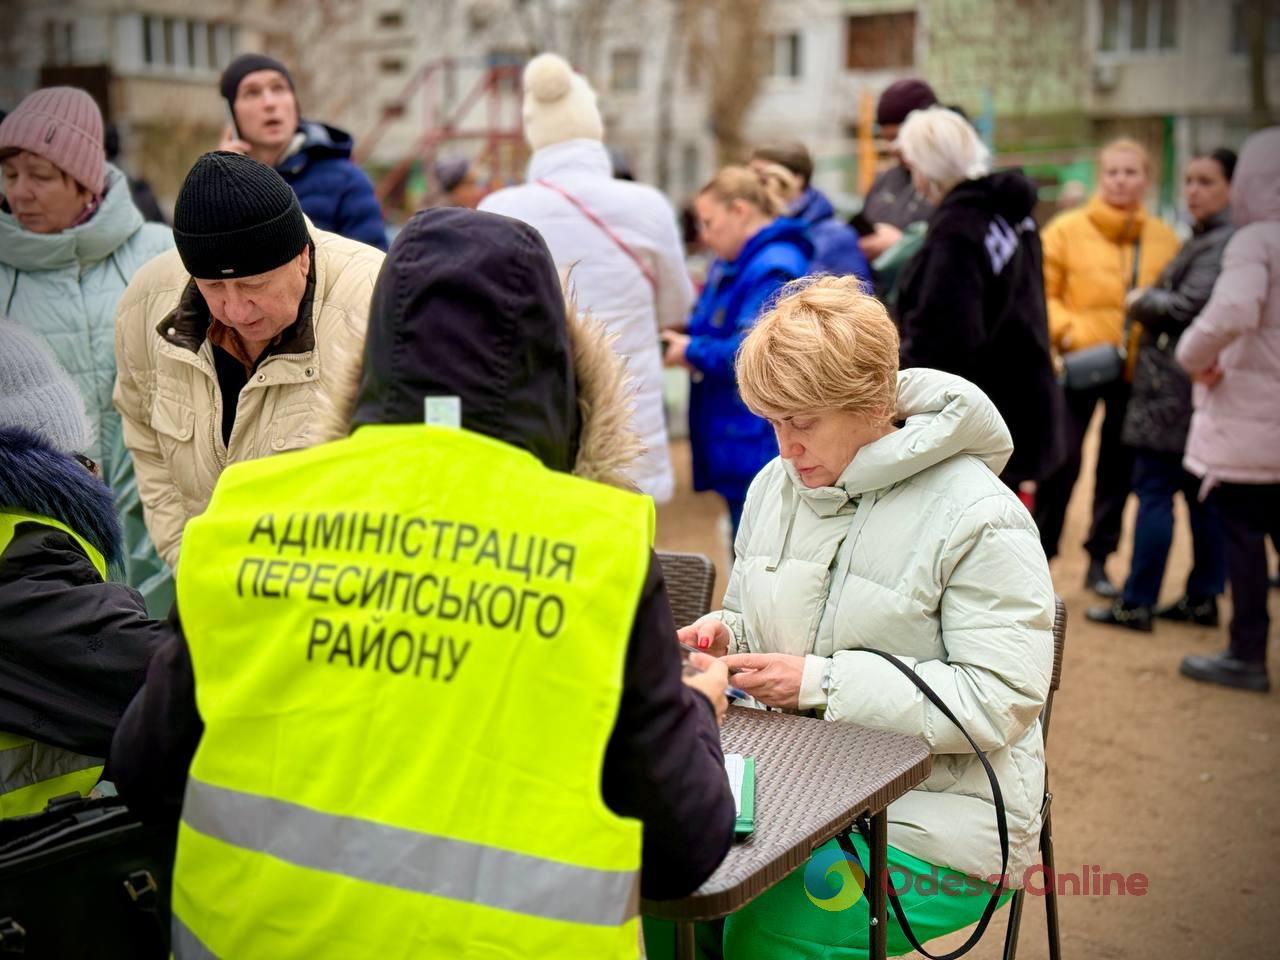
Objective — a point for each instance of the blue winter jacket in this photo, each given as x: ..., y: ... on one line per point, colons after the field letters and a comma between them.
x: 835, y: 244
x: 332, y: 190
x: 730, y: 443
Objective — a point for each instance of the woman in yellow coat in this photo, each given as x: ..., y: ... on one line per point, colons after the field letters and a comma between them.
x: 1095, y: 257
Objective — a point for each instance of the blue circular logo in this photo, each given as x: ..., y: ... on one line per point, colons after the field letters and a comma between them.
x: 833, y: 880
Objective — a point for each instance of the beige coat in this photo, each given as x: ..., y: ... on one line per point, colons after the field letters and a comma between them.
x: 167, y: 388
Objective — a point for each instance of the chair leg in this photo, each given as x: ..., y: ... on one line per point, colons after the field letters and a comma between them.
x: 1051, y: 882
x: 1015, y: 922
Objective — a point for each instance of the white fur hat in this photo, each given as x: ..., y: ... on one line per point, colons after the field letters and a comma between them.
x: 558, y: 103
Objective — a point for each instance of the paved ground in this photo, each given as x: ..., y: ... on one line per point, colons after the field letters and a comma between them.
x: 1151, y: 773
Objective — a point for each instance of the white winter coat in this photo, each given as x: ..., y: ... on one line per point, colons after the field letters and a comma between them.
x: 605, y: 281
x: 919, y: 550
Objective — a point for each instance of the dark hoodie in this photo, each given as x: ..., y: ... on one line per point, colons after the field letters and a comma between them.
x: 73, y: 648
x: 332, y: 190
x: 469, y: 304
x: 972, y: 303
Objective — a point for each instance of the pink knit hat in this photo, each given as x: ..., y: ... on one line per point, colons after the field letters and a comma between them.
x: 63, y: 125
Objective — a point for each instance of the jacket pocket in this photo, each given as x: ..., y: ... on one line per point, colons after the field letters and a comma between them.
x: 172, y: 421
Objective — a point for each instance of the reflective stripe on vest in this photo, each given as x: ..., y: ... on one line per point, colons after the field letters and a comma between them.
x: 33, y: 773
x: 377, y: 853
x: 408, y: 649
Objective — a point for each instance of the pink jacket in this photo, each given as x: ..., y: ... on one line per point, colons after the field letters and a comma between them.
x: 1235, y: 430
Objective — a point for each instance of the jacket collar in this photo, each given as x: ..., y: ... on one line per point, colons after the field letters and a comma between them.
x: 570, y: 157
x: 187, y: 325
x: 1118, y: 226
x: 114, y: 222
x: 37, y: 479
x: 1220, y: 219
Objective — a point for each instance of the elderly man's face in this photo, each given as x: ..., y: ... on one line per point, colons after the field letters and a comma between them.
x: 261, y: 306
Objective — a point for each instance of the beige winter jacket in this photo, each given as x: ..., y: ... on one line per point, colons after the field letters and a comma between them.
x: 919, y: 550
x: 167, y: 388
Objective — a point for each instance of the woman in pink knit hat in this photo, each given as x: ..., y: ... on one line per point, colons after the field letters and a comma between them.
x: 70, y: 240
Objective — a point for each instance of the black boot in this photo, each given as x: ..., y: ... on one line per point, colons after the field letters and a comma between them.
x: 1202, y: 611
x: 1096, y: 580
x: 1121, y: 614
x: 1226, y: 670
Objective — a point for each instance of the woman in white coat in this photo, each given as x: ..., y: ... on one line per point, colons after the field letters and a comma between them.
x: 883, y: 525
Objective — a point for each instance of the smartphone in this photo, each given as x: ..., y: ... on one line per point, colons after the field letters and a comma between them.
x: 231, y: 119
x: 860, y: 223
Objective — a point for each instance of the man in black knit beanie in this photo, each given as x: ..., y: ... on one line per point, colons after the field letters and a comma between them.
x: 244, y: 341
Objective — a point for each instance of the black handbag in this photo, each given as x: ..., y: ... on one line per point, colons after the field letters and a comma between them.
x: 85, y: 878
x: 1097, y: 366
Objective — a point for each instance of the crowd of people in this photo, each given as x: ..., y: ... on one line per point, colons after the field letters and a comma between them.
x: 271, y: 494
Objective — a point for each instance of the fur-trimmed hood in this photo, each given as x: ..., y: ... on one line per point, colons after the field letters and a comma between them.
x: 470, y: 305
x: 35, y: 478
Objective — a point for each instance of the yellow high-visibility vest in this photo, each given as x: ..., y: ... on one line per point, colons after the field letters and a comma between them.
x: 408, y: 650
x: 32, y: 773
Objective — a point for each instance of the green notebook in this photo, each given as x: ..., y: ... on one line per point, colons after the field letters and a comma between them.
x: 742, y: 780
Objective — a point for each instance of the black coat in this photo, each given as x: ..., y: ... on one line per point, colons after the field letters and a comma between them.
x: 486, y: 323
x: 972, y: 303
x: 1159, y: 412
x: 73, y: 648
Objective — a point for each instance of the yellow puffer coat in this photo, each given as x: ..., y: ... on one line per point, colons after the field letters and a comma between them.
x: 1088, y: 269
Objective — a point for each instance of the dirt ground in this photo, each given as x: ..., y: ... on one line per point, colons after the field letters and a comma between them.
x: 1151, y: 773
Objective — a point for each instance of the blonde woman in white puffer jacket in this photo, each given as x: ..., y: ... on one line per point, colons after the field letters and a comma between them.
x: 883, y: 525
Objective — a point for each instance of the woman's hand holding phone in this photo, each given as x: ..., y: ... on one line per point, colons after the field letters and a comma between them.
x: 710, y: 677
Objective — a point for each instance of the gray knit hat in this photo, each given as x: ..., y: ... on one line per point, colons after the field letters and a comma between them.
x: 36, y: 394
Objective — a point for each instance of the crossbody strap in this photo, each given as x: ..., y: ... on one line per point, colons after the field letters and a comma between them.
x: 1133, y: 285
x: 1002, y: 828
x: 604, y: 228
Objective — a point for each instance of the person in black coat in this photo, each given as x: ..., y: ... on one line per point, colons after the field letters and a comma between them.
x: 487, y: 324
x: 1159, y: 415
x: 971, y: 302
x: 74, y: 646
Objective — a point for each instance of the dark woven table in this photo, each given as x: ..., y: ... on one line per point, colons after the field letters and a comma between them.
x: 813, y: 779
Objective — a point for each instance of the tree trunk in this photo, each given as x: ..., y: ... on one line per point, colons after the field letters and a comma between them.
x: 676, y: 26
x: 1255, y: 25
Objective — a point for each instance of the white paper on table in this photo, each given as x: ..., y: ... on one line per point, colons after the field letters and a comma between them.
x: 735, y: 766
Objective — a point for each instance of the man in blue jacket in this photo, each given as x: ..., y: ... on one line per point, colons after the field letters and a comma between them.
x: 314, y: 158
x: 835, y: 244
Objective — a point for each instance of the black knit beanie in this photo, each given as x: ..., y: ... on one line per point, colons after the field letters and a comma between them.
x: 236, y: 217
x: 242, y: 66
x: 901, y: 97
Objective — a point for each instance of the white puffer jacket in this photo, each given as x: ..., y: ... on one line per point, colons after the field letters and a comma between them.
x: 920, y: 551
x: 605, y: 281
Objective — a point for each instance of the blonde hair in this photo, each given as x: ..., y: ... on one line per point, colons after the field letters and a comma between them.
x: 943, y: 147
x: 1129, y: 145
x: 737, y: 182
x: 825, y: 345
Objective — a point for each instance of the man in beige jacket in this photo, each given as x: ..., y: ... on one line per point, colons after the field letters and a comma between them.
x: 245, y: 341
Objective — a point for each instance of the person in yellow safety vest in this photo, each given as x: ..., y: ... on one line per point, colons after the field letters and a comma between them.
x: 426, y: 679
x: 73, y: 646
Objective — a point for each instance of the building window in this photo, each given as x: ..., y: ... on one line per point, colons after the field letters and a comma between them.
x: 1240, y: 29
x: 624, y: 71
x: 1138, y: 26
x: 179, y: 45
x: 690, y: 166
x: 785, y: 56
x: 391, y: 65
x: 393, y: 111
x: 882, y: 41
x: 59, y: 43
x: 391, y: 20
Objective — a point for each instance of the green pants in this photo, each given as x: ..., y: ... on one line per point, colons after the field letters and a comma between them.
x: 818, y: 912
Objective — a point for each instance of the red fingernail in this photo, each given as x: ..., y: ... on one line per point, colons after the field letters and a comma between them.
x: 703, y: 643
